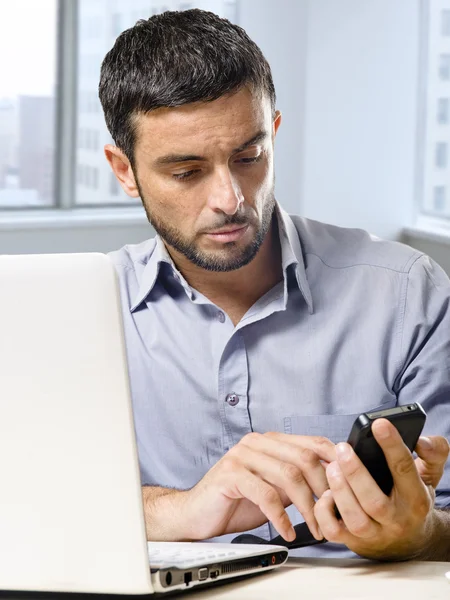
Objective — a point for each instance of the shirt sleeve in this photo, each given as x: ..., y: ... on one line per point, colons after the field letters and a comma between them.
x: 425, y: 353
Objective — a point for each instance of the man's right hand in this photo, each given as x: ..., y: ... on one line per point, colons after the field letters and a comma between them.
x: 250, y: 485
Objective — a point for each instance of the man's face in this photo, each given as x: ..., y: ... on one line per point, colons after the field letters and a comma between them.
x: 205, y: 176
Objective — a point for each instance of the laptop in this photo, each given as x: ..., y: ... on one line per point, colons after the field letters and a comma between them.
x: 71, y: 513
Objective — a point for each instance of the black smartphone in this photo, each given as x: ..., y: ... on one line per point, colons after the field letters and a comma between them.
x: 408, y: 419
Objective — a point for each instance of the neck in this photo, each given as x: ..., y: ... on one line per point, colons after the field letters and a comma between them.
x: 236, y: 291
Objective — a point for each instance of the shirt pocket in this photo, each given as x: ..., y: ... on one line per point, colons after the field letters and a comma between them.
x: 334, y: 427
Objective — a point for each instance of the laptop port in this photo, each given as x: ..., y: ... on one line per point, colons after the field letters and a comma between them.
x: 214, y: 574
x: 188, y: 577
x: 168, y: 578
x: 202, y: 574
x: 264, y: 562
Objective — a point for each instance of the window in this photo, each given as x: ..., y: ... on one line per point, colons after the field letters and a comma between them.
x: 443, y: 111
x: 444, y: 67
x: 439, y: 198
x: 445, y: 22
x: 33, y: 152
x: 27, y: 103
x: 434, y: 149
x: 114, y: 186
x: 441, y: 155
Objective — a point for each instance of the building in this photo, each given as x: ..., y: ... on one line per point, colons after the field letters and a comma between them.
x: 37, y: 146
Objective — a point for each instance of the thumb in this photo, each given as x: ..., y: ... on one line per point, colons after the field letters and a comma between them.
x: 432, y: 454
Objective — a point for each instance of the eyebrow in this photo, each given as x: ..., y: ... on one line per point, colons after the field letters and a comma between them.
x: 179, y: 158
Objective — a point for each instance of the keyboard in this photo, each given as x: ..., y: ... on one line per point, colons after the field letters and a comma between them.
x: 164, y: 555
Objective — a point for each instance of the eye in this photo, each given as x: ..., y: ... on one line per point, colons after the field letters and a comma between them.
x: 185, y: 175
x: 248, y: 160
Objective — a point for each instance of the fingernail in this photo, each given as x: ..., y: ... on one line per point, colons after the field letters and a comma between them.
x: 333, y: 470
x: 326, y: 494
x: 383, y: 432
x: 343, y: 451
x: 426, y: 443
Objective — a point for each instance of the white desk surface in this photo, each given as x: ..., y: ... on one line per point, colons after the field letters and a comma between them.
x: 337, y: 579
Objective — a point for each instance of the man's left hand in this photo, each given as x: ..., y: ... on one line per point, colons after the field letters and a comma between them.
x: 374, y: 525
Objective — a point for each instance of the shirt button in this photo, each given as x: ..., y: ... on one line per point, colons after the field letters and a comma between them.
x: 232, y: 399
x: 221, y: 316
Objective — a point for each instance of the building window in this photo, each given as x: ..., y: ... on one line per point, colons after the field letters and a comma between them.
x: 441, y: 155
x: 443, y: 105
x: 114, y: 187
x: 444, y: 67
x: 445, y: 23
x: 439, y: 198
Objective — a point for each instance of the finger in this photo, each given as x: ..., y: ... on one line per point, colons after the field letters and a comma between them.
x: 322, y: 446
x: 259, y: 492
x: 303, y: 458
x: 433, y: 453
x: 356, y: 520
x: 372, y: 500
x: 398, y: 457
x: 334, y: 530
x: 286, y: 476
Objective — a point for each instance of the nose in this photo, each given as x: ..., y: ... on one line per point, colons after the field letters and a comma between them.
x: 225, y: 194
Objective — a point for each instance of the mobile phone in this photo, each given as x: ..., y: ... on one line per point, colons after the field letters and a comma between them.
x: 408, y: 419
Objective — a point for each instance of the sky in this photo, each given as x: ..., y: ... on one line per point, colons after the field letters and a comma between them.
x: 27, y: 47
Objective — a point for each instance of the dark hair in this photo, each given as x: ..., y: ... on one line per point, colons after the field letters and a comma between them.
x: 176, y: 58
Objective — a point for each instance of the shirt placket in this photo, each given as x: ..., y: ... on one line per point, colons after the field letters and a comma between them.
x: 233, y: 390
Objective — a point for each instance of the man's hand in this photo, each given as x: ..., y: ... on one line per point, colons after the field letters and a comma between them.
x: 374, y: 525
x: 250, y: 485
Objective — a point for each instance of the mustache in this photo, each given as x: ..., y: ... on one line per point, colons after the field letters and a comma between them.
x: 229, y: 220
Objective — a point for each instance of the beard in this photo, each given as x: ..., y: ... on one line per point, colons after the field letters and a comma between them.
x: 231, y: 257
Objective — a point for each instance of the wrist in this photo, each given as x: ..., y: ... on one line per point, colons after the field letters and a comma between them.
x: 164, y: 515
x: 436, y: 529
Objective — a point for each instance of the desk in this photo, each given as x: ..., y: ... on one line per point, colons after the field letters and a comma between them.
x: 338, y: 579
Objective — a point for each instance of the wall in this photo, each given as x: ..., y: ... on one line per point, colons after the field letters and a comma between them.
x: 280, y: 28
x: 361, y: 113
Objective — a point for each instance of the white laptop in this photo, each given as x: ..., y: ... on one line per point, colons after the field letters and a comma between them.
x: 71, y: 514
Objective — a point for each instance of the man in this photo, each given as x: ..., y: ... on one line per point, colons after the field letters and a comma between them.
x: 254, y: 338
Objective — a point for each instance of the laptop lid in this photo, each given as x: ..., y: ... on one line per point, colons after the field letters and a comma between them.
x: 71, y: 516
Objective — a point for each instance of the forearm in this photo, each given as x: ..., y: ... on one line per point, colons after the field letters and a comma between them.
x: 163, y: 514
x: 437, y: 545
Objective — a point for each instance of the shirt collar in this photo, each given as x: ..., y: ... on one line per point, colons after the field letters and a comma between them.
x: 291, y: 254
x: 154, y: 260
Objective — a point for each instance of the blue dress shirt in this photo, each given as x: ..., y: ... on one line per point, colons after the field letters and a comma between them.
x: 357, y: 323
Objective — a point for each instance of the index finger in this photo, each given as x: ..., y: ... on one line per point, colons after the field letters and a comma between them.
x: 398, y: 457
x: 322, y: 446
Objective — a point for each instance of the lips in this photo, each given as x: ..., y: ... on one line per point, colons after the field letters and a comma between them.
x: 228, y: 235
x: 227, y: 230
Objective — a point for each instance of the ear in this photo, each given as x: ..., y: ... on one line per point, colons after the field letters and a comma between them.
x: 276, y: 122
x: 122, y: 170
